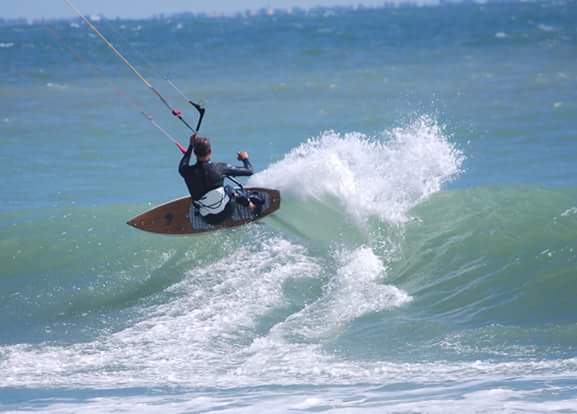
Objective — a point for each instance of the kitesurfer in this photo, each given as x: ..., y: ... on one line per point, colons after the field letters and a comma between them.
x: 205, y: 180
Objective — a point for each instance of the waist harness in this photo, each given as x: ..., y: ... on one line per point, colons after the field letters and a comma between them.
x: 213, y: 202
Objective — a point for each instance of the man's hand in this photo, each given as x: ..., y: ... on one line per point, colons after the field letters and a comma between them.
x: 192, y: 139
x: 243, y: 155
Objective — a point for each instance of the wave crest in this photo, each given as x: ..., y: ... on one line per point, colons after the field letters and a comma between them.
x: 381, y: 177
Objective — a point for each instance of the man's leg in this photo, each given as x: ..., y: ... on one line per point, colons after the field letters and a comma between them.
x: 251, y: 200
x: 237, y: 195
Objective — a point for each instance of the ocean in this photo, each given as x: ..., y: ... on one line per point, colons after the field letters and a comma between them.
x: 424, y: 259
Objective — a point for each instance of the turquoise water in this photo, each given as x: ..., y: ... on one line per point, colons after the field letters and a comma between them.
x: 424, y: 258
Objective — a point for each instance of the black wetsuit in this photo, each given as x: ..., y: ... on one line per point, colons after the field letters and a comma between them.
x: 204, y: 176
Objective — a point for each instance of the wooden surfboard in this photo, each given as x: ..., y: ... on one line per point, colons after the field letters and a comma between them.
x: 174, y: 217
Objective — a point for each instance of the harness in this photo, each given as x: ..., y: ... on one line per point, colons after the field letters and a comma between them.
x: 213, y: 202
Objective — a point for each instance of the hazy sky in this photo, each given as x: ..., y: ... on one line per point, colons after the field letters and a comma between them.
x: 145, y: 8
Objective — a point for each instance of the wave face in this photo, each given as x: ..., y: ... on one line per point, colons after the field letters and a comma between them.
x: 255, y: 293
x: 478, y: 283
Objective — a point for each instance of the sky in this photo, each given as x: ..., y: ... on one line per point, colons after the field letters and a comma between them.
x: 34, y: 9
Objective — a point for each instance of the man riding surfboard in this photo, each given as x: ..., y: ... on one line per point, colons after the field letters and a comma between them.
x: 213, y: 200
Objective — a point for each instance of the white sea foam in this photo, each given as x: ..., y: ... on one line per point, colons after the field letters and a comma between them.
x: 547, y: 28
x: 203, y: 346
x: 355, y: 289
x: 56, y: 85
x: 380, y: 177
x: 6, y: 45
x: 336, y: 400
x: 570, y: 211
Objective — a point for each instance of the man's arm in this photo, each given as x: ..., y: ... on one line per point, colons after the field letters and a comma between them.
x: 244, y: 171
x: 185, y: 160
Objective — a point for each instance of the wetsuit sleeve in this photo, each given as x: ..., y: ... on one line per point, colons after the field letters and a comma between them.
x: 185, y: 161
x: 233, y: 171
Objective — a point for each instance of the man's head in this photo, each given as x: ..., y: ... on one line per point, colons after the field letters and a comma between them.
x: 202, y: 148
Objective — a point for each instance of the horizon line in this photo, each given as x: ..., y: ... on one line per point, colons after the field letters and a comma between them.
x: 261, y: 11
